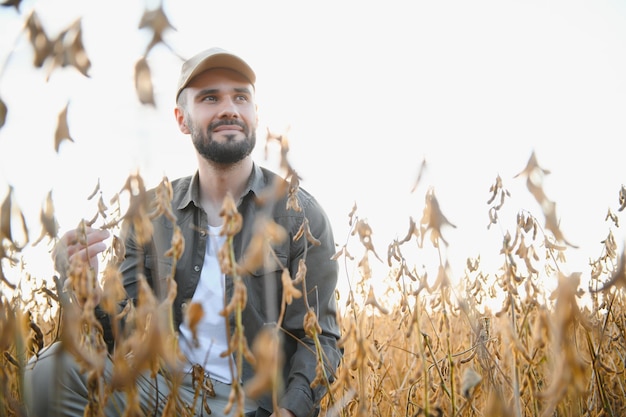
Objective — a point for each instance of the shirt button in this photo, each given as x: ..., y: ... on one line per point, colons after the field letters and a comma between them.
x: 196, y: 268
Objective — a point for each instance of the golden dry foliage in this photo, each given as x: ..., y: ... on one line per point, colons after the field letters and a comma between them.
x: 443, y: 352
x: 493, y: 344
x: 420, y: 348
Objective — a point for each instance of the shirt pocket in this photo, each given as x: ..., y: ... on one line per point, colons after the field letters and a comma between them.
x: 265, y: 289
x: 159, y: 268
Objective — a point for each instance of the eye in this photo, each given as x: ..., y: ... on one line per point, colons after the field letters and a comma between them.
x: 209, y: 98
x: 242, y: 98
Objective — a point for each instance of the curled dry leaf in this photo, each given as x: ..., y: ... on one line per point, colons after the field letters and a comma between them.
x: 240, y: 298
x: 364, y: 231
x: 62, y: 132
x: 342, y: 252
x: 433, y: 220
x: 143, y: 82
x: 413, y: 231
x: 420, y: 173
x: 233, y: 221
x: 68, y: 50
x: 292, y: 199
x: 138, y: 212
x: 163, y: 203
x: 8, y: 212
x: 283, y: 142
x: 12, y: 3
x: 552, y: 223
x: 289, y: 291
x: 178, y: 244
x: 157, y: 21
x: 193, y: 315
x: 38, y: 39
x: 364, y: 267
x: 311, y: 326
x: 267, y: 233
x: 48, y: 221
x: 352, y: 214
x: 5, y: 216
x: 3, y: 113
x: 269, y: 359
x: 305, y: 230
x: 112, y: 289
x: 95, y: 191
x: 74, y: 53
x: 372, y: 301
x: 227, y: 262
x: 618, y: 277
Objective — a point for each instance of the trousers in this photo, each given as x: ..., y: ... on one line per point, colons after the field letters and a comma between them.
x: 55, y: 386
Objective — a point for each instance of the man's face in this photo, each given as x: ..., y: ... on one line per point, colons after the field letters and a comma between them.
x: 220, y: 115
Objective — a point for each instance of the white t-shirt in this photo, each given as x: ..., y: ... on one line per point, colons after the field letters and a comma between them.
x: 211, y: 330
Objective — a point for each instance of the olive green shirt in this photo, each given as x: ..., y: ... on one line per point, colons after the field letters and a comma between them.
x: 264, y: 286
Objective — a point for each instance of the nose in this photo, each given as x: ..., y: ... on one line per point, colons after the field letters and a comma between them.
x: 228, y: 110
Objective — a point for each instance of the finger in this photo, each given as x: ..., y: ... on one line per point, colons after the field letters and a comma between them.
x: 86, y: 253
x: 74, y: 240
x: 97, y: 235
x: 84, y: 235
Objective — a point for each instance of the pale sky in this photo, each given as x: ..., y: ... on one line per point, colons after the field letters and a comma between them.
x: 367, y: 89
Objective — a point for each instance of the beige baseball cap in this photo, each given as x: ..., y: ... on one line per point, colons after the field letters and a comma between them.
x: 212, y: 58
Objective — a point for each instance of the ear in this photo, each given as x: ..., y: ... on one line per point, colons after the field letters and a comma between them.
x: 179, y: 114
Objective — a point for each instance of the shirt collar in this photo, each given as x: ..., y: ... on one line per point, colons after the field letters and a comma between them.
x: 256, y: 183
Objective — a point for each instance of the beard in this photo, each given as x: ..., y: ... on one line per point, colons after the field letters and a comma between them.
x: 228, y: 152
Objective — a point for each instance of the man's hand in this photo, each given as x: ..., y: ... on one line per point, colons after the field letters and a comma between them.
x: 84, y: 244
x: 283, y: 412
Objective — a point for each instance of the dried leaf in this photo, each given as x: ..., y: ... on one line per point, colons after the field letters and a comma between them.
x: 68, y: 50
x: 532, y: 167
x: 5, y: 216
x: 193, y: 315
x: 433, y: 220
x: 618, y: 278
x: 62, y: 132
x: 233, y: 221
x: 372, y: 301
x: 112, y: 289
x: 413, y: 231
x: 38, y: 39
x: 269, y: 359
x: 143, y: 82
x: 95, y: 191
x: 364, y: 231
x: 74, y: 53
x: 3, y: 113
x: 311, y: 326
x: 422, y: 170
x: 48, y: 221
x: 7, y: 210
x: 292, y: 199
x: 306, y: 231
x: 552, y: 224
x: 534, y: 180
x: 352, y: 214
x: 289, y: 291
x: 12, y: 3
x: 157, y: 21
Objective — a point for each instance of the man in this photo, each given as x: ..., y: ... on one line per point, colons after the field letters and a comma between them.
x: 216, y: 107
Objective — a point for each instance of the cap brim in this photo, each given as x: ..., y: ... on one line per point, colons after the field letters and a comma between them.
x: 200, y: 64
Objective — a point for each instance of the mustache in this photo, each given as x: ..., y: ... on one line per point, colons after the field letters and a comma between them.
x: 229, y: 122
